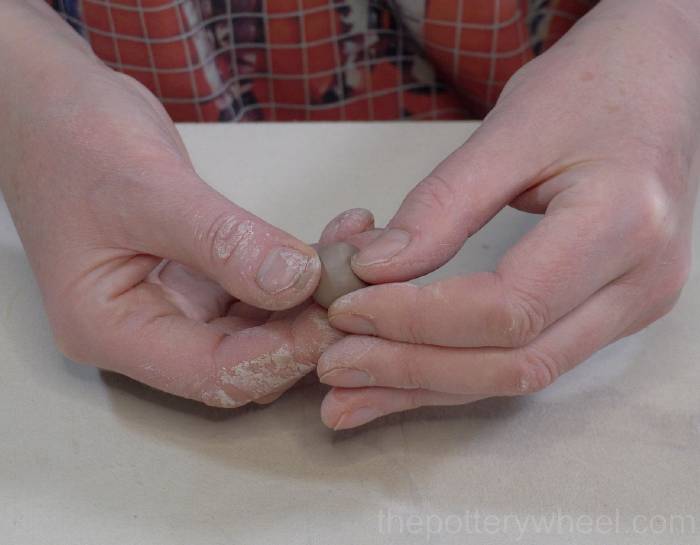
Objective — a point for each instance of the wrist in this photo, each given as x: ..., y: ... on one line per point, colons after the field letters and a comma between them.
x: 673, y: 21
x: 38, y: 51
x: 674, y: 12
x: 648, y: 52
x: 42, y: 62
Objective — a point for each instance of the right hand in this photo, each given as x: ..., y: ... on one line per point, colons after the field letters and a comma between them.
x: 102, y: 190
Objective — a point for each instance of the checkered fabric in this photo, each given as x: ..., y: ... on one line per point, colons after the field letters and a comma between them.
x: 245, y: 60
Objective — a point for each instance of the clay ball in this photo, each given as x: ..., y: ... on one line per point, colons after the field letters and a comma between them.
x: 337, y: 277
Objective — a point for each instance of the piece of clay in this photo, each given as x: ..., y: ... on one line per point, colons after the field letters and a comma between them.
x: 337, y: 277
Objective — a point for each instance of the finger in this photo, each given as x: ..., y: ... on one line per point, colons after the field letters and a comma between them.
x: 454, y: 201
x: 355, y: 227
x: 194, y: 294
x: 189, y: 222
x: 357, y: 362
x: 360, y: 240
x: 343, y: 409
x: 567, y: 257
x: 346, y: 224
x: 217, y: 364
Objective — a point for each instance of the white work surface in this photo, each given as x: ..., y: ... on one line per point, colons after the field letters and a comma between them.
x: 88, y: 458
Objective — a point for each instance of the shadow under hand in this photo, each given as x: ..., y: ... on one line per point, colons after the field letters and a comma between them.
x: 287, y: 437
x: 123, y: 387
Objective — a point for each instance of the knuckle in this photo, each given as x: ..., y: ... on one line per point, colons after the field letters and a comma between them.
x: 412, y: 332
x: 267, y: 373
x: 434, y: 193
x: 414, y: 375
x: 535, y: 370
x: 680, y: 272
x: 651, y: 225
x: 668, y: 289
x: 661, y: 310
x: 527, y: 318
x: 414, y: 329
x: 675, y: 280
x: 214, y: 386
x: 227, y: 236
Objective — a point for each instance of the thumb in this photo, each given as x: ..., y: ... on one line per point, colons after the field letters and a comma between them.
x: 191, y: 223
x: 459, y: 196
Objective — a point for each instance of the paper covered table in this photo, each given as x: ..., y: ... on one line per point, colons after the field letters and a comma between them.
x: 92, y: 458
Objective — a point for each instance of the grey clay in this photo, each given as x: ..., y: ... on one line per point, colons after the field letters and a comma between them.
x: 337, y: 277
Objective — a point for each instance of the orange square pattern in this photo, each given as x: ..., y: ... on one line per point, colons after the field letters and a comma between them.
x: 310, y: 62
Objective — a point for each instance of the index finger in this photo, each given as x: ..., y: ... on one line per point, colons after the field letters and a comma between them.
x: 569, y: 256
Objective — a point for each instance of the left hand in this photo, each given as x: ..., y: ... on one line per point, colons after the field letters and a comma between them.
x: 601, y: 134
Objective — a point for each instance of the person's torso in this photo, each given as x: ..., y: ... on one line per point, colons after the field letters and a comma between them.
x: 284, y: 60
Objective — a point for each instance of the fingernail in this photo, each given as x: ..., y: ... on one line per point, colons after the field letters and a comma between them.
x: 352, y: 220
x: 353, y: 323
x: 357, y: 418
x: 284, y: 268
x: 348, y: 378
x: 345, y: 355
x: 389, y: 244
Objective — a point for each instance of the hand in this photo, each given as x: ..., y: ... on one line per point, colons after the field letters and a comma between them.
x: 601, y: 135
x: 102, y: 191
